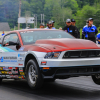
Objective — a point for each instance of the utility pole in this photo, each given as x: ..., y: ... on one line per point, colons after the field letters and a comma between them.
x: 42, y: 18
x: 19, y: 15
x: 36, y: 20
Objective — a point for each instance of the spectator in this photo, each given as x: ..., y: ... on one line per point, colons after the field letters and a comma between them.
x: 73, y: 22
x: 60, y: 28
x: 41, y: 25
x: 53, y: 24
x: 49, y: 25
x: 98, y: 37
x: 28, y: 27
x: 89, y: 31
x: 70, y: 29
x: 3, y: 33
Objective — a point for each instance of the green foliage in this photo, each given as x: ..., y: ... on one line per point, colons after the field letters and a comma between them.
x: 83, y: 14
x: 57, y: 10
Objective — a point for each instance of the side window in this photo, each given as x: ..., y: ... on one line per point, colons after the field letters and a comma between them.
x: 10, y: 37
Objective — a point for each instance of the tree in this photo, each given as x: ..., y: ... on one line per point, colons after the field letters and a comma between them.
x: 82, y: 15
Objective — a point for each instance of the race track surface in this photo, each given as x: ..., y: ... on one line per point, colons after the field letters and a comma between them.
x: 79, y: 88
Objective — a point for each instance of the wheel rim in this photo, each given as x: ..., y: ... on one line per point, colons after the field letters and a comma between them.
x: 32, y: 74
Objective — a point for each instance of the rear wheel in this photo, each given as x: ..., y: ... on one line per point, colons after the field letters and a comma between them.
x: 33, y: 75
x: 96, y: 79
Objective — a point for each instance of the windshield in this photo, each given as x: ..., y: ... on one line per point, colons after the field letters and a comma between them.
x: 31, y: 37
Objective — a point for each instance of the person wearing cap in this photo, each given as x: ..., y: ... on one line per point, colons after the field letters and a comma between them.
x: 41, y: 25
x: 70, y: 29
x: 53, y: 24
x: 89, y: 31
x: 98, y: 37
x: 73, y: 22
x: 49, y: 25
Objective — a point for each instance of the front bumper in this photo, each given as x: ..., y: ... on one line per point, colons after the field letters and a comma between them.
x: 66, y: 72
x: 64, y: 68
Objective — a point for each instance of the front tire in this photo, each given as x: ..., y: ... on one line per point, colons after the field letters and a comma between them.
x: 33, y: 75
x: 96, y: 79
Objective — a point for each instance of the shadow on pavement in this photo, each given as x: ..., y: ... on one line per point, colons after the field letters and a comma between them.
x: 52, y: 90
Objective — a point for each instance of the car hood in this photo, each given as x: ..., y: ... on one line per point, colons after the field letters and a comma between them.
x: 54, y: 45
x: 66, y: 44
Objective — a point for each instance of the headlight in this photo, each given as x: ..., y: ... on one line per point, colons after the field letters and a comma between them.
x: 52, y: 55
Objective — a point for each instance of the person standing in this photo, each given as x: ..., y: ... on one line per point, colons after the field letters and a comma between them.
x: 53, y: 27
x: 70, y: 29
x: 42, y: 25
x: 49, y: 25
x: 73, y: 22
x: 3, y: 33
x: 89, y: 31
x: 98, y: 37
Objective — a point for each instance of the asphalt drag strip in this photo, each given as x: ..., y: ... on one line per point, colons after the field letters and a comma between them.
x: 79, y: 88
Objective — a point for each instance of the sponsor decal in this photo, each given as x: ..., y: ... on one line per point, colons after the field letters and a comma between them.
x: 3, y: 72
x: 8, y: 76
x: 15, y: 72
x: 5, y: 68
x: 21, y: 49
x: 8, y: 59
x: 11, y: 76
x: 20, y: 69
x: 70, y: 31
x: 21, y: 55
x: 1, y: 68
x: 6, y: 72
x: 22, y: 73
x: 10, y: 72
x: 15, y: 76
x: 23, y: 77
x: 20, y: 64
x: 0, y: 75
x: 10, y: 68
x: 20, y: 59
x: 3, y: 75
x: 19, y: 77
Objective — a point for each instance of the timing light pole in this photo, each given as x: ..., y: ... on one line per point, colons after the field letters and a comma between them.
x: 19, y: 13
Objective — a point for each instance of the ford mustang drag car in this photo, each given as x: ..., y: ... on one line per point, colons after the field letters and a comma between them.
x: 42, y: 54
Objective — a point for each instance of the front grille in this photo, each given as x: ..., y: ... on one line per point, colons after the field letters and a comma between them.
x: 78, y: 70
x: 82, y: 54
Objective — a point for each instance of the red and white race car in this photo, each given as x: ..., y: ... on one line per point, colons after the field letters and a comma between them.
x: 39, y: 55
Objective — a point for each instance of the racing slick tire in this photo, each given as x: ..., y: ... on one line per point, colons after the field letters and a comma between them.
x: 0, y: 80
x: 96, y: 79
x: 33, y: 75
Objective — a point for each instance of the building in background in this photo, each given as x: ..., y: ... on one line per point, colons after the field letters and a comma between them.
x: 4, y: 26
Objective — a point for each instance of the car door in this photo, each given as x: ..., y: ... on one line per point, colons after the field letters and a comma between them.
x: 9, y: 53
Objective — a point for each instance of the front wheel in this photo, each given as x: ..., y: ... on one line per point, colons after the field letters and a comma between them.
x: 33, y: 75
x: 96, y: 79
